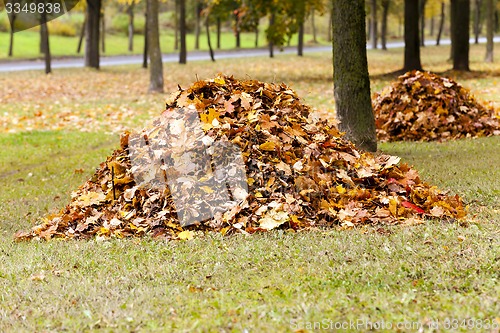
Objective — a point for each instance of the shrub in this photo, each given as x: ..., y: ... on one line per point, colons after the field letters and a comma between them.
x: 62, y: 28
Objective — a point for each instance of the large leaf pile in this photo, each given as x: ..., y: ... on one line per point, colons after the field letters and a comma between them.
x: 300, y: 174
x: 421, y: 106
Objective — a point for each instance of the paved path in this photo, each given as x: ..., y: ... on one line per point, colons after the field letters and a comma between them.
x: 24, y: 65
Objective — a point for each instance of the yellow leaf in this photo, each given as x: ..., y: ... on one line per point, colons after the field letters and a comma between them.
x: 219, y: 80
x: 393, y: 207
x: 103, y: 231
x: 268, y: 146
x: 208, y: 118
x: 186, y: 235
x: 340, y: 189
x: 252, y: 116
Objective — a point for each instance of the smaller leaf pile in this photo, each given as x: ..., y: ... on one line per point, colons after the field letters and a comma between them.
x: 300, y: 174
x: 421, y: 106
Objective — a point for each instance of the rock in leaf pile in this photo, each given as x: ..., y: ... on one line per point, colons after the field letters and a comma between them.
x: 421, y: 106
x: 299, y: 174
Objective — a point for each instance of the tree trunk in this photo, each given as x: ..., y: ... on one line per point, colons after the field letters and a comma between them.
x: 218, y: 32
x: 197, y: 25
x: 385, y: 13
x: 156, y: 65
x: 431, y: 32
x: 373, y: 27
x: 453, y: 6
x: 130, y: 12
x: 271, y: 44
x: 412, y: 44
x: 11, y: 40
x: 313, y: 27
x: 145, y: 52
x: 92, y: 33
x: 368, y: 29
x: 490, y: 17
x: 209, y: 42
x: 237, y: 31
x: 82, y: 34
x: 352, y: 83
x: 176, y: 24
x: 300, y: 45
x: 477, y: 16
x: 44, y: 42
x: 422, y: 21
x: 441, y: 23
x: 103, y: 34
x: 460, y: 34
x: 182, y: 32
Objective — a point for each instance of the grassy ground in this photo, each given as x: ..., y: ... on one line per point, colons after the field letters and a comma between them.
x: 419, y: 277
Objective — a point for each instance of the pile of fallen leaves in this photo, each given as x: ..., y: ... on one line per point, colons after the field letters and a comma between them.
x: 300, y: 174
x: 422, y: 106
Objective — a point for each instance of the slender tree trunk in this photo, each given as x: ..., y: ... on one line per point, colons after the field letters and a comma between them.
x: 182, y: 32
x: 92, y: 33
x: 490, y: 12
x: 369, y: 29
x: 461, y: 35
x: 300, y: 45
x: 42, y: 43
x: 385, y: 14
x: 82, y: 34
x: 350, y: 75
x: 237, y: 31
x: 145, y: 51
x: 11, y: 35
x: 209, y: 42
x: 271, y: 44
x: 313, y: 27
x: 45, y: 42
x: 412, y: 44
x: 477, y: 16
x: 453, y: 8
x: 373, y: 28
x: 156, y: 64
x: 197, y: 25
x: 431, y: 32
x: 441, y: 23
x: 130, y: 11
x: 218, y: 32
x: 103, y: 34
x: 176, y: 24
x: 422, y: 22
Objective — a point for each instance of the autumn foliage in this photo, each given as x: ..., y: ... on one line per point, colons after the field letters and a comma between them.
x: 422, y: 106
x: 300, y: 174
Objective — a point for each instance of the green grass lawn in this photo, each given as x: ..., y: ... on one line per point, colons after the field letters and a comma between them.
x: 418, y: 276
x: 27, y: 43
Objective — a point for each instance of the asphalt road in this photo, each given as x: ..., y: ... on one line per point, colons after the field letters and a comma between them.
x: 25, y: 65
